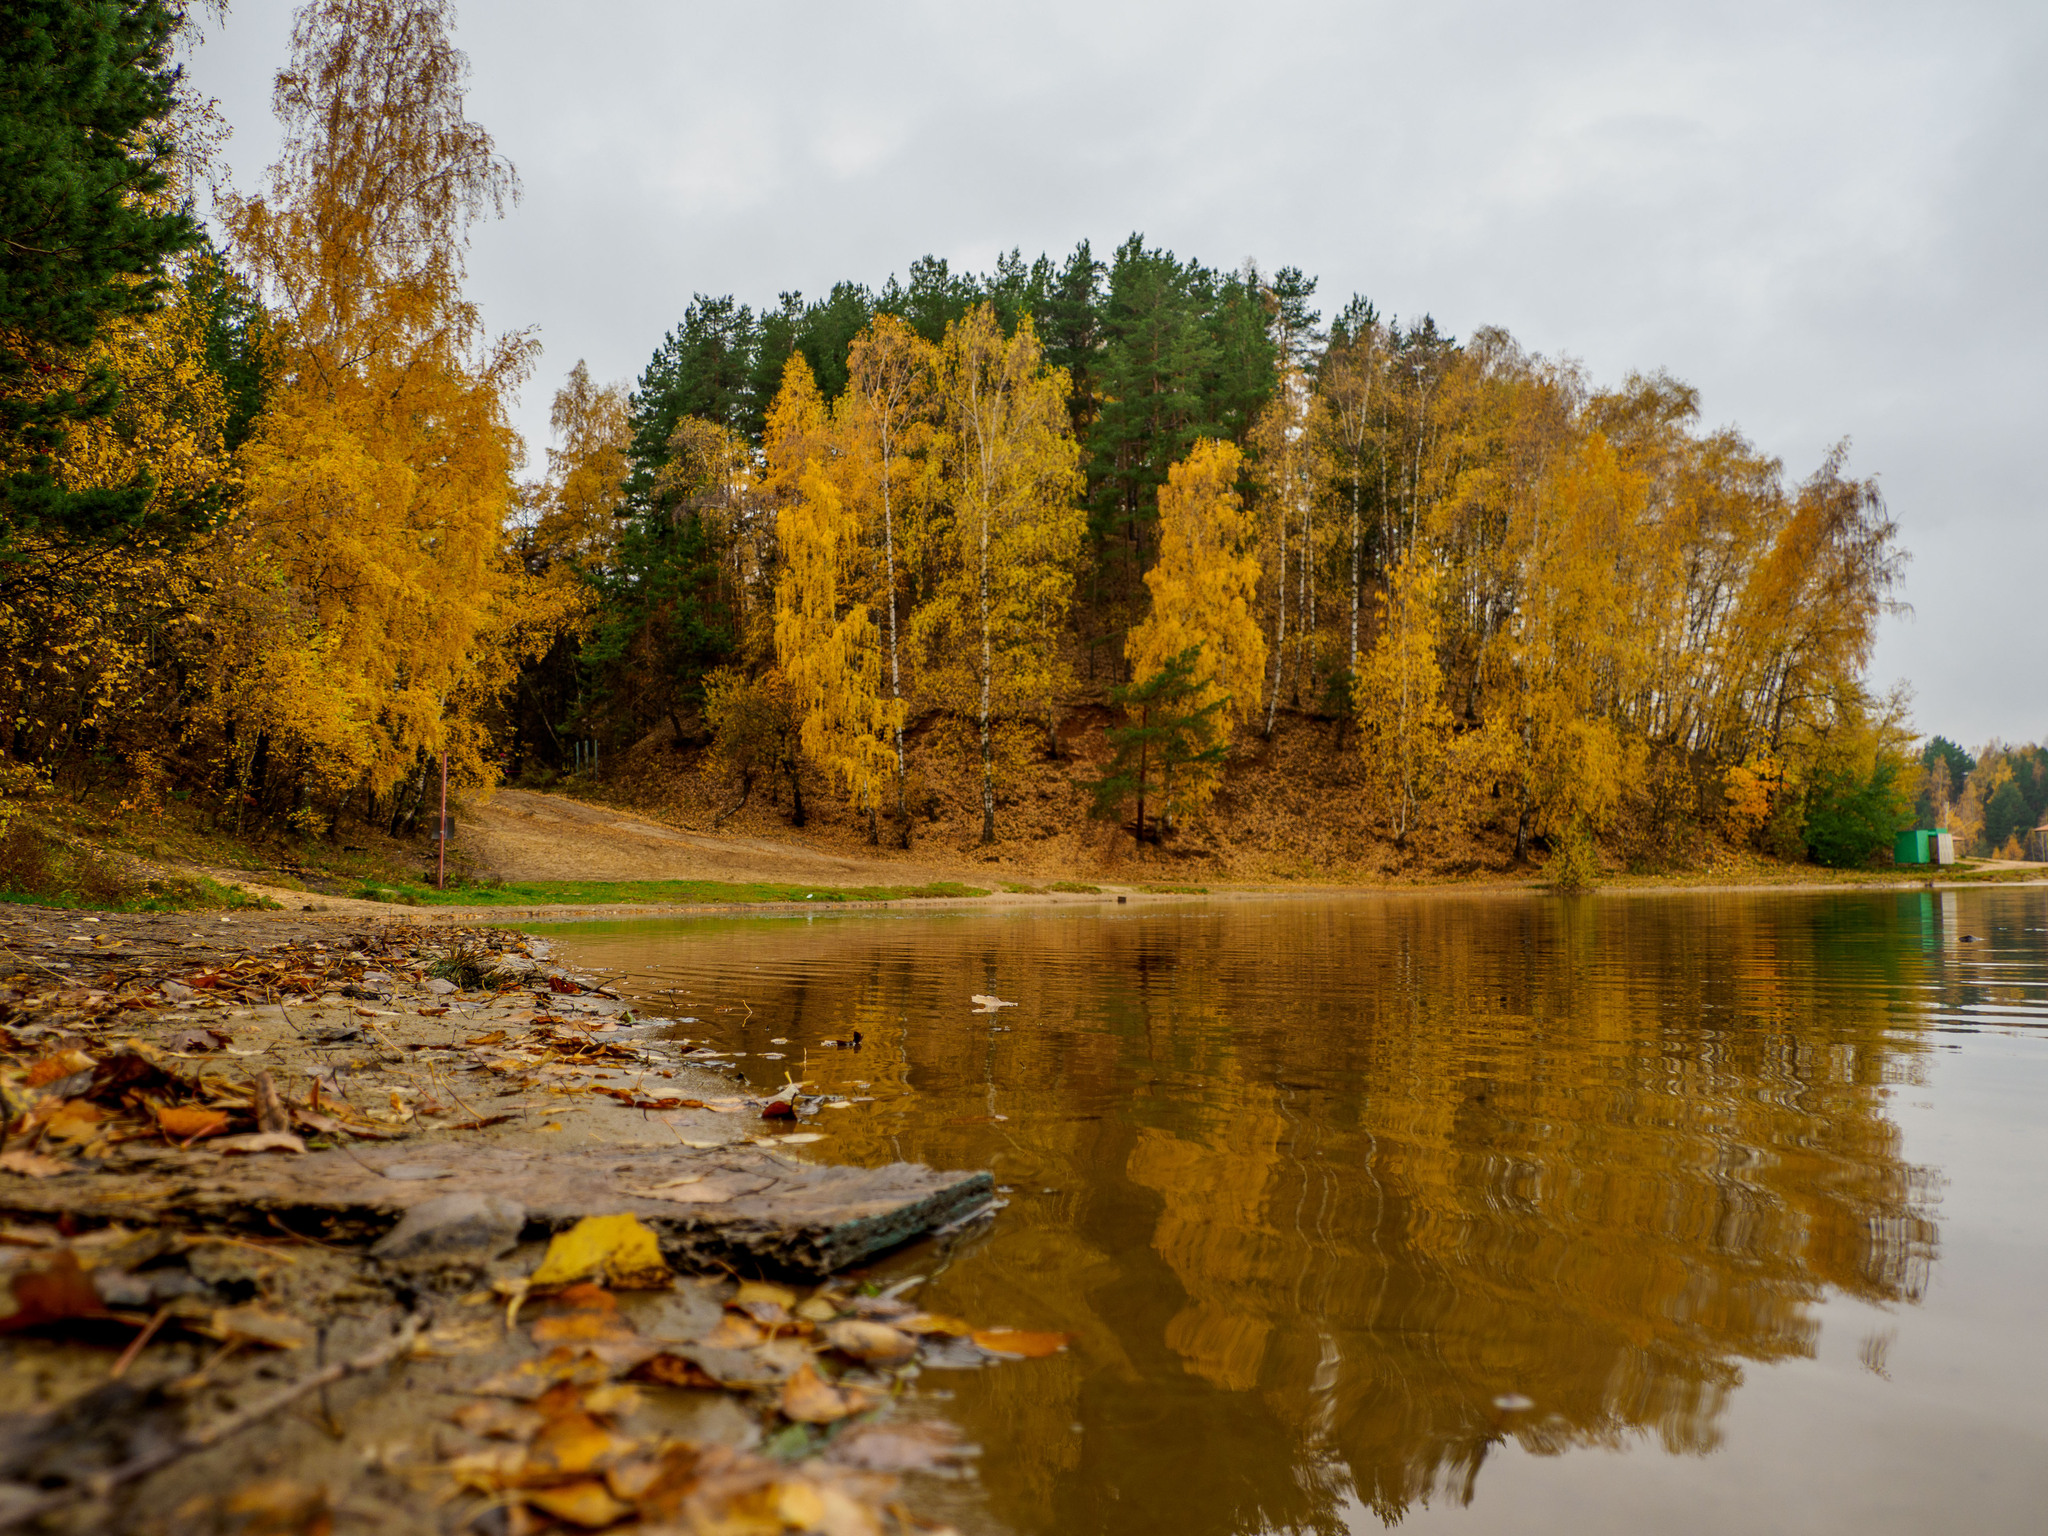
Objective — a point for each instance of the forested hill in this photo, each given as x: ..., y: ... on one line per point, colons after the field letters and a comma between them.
x: 265, y: 547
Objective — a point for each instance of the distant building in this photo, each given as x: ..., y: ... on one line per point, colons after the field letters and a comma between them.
x: 1928, y: 845
x: 2037, y: 843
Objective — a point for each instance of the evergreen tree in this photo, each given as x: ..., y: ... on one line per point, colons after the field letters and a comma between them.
x: 704, y: 368
x: 85, y: 91
x: 2005, y: 815
x: 1173, y: 744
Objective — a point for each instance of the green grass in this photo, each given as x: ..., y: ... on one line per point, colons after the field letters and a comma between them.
x: 1176, y: 890
x: 1021, y: 890
x: 591, y: 893
x: 1075, y: 887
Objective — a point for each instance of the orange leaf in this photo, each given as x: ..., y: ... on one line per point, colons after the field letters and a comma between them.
x: 190, y: 1122
x: 59, y: 1292
x: 809, y: 1399
x: 1012, y: 1341
x: 673, y: 1371
x: 63, y: 1064
x: 589, y: 1504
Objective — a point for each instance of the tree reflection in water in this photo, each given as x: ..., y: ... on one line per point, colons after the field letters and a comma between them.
x: 1336, y: 1187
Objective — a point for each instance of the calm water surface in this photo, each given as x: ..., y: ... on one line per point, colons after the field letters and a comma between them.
x: 1494, y: 1213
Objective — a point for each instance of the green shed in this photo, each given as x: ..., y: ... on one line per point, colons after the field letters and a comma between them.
x: 1926, y: 845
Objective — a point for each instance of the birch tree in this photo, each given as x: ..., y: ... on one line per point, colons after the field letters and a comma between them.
x: 1009, y: 483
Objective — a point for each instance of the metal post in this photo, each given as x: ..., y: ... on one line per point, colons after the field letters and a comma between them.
x: 441, y: 832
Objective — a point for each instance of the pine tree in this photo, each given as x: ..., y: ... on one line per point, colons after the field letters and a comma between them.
x: 1173, y: 748
x: 86, y: 91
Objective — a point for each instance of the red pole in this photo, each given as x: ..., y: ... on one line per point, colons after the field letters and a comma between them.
x: 441, y: 862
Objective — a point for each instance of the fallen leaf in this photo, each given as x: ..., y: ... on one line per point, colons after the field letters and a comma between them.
x: 74, y: 1120
x: 984, y: 1004
x: 673, y: 1371
x: 925, y: 1445
x: 935, y: 1322
x: 809, y: 1399
x: 189, y: 1122
x: 31, y: 1165
x: 734, y: 1332
x: 259, y: 1141
x: 58, y: 1292
x: 499, y: 1420
x: 573, y: 1443
x: 1013, y: 1341
x: 763, y: 1290
x: 196, y: 1040
x: 818, y: 1309
x: 50, y: 1068
x: 495, y: 1037
x: 257, y: 1325
x: 591, y: 1313
x: 870, y: 1343
x: 530, y: 1378
x: 589, y: 1504
x: 796, y: 1140
x: 620, y: 1248
x: 778, y: 1109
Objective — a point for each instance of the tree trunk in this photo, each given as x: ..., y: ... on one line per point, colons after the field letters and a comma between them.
x: 796, y: 790
x: 746, y: 789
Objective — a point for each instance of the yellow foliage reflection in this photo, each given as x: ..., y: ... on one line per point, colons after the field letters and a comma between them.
x: 1337, y: 1196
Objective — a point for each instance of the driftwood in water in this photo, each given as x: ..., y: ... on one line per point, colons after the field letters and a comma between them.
x: 740, y: 1207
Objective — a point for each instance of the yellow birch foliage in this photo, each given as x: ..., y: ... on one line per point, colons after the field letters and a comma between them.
x: 1291, y: 470
x: 1204, y: 589
x: 1404, y: 728
x: 1009, y: 489
x: 827, y: 646
x: 881, y: 432
x: 380, y: 480
x: 587, y: 473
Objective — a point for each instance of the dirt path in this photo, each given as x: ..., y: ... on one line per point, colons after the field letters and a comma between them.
x: 519, y: 835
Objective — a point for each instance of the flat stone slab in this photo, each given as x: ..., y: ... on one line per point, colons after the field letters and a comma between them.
x: 741, y: 1207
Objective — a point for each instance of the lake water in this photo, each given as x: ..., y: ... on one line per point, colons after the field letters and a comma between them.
x: 1488, y: 1213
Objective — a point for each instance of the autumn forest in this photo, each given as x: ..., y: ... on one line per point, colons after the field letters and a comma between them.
x: 270, y: 545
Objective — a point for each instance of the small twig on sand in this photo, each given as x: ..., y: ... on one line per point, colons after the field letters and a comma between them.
x: 101, y: 1484
x: 135, y: 1348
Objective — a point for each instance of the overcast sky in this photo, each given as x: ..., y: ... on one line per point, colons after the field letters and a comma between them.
x: 1828, y: 216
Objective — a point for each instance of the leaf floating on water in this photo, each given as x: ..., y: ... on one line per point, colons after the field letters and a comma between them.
x: 1513, y: 1402
x: 621, y: 1249
x: 924, y: 1446
x: 870, y: 1343
x: 984, y: 1004
x: 763, y: 1290
x: 797, y: 1139
x: 935, y: 1322
x: 591, y: 1313
x: 1013, y: 1341
x: 735, y: 1332
x: 809, y: 1399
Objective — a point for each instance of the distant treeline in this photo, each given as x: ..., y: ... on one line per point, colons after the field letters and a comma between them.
x: 263, y: 540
